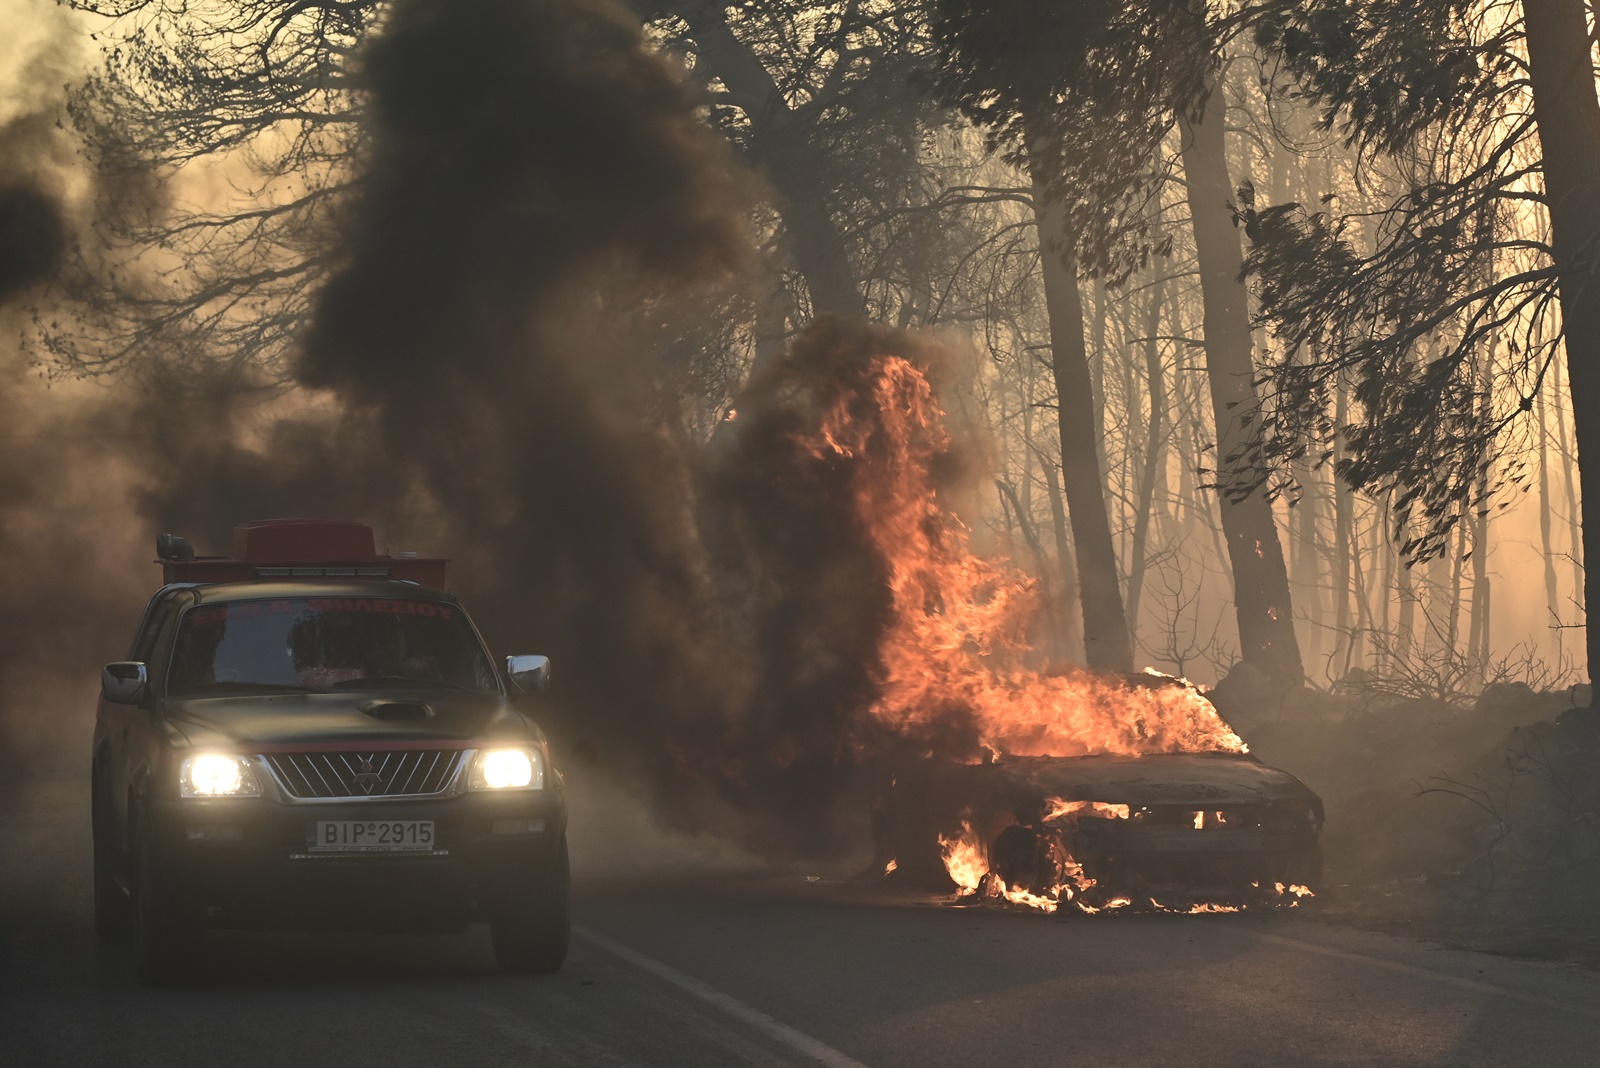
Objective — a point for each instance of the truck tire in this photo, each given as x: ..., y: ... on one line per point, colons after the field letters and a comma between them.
x: 112, y: 909
x: 169, y: 932
x: 531, y: 929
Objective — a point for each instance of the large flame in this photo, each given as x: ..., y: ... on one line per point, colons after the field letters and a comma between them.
x: 958, y: 649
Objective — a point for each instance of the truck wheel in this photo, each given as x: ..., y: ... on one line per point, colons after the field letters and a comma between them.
x: 531, y: 930
x: 111, y: 905
x: 169, y: 932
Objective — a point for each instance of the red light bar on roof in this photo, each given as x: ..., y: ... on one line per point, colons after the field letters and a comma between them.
x: 295, y: 541
x: 302, y: 549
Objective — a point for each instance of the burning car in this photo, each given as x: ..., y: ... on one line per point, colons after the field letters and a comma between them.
x: 308, y: 735
x: 1174, y: 831
x: 1014, y: 776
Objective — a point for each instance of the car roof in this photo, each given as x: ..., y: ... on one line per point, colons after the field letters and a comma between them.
x: 212, y: 593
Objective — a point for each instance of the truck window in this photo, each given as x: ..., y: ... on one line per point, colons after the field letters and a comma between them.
x: 327, y: 644
x: 145, y: 642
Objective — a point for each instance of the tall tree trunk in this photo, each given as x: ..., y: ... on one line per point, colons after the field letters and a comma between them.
x: 1155, y: 456
x: 1356, y: 658
x: 779, y: 147
x: 1307, y: 569
x: 1457, y: 569
x: 1546, y: 508
x: 1574, y: 519
x: 1438, y: 606
x: 1363, y: 628
x: 1383, y: 644
x: 1097, y: 368
x: 1568, y: 116
x: 1071, y: 630
x: 1105, y: 625
x: 1482, y: 592
x: 1260, y: 581
x: 771, y: 326
x: 1405, y: 640
x: 1343, y: 505
x: 1478, y: 645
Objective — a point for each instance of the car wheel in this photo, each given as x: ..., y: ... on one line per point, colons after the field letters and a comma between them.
x: 168, y: 927
x: 111, y: 905
x: 531, y: 929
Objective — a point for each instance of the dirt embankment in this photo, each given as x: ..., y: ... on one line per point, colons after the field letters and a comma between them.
x: 1469, y: 824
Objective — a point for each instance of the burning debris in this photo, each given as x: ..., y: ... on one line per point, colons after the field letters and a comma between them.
x: 1194, y: 832
x: 1034, y: 865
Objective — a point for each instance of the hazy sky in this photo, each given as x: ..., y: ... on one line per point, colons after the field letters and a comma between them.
x: 43, y: 45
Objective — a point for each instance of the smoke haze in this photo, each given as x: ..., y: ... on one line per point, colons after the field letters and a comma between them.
x: 483, y: 375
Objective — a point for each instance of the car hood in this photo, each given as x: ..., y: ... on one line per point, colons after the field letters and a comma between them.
x: 406, y: 716
x: 1197, y: 780
x: 1156, y: 779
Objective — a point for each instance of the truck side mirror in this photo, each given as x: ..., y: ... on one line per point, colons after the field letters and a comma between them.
x: 124, y: 682
x: 530, y: 673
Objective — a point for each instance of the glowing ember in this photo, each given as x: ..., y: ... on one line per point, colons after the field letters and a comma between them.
x: 888, y: 869
x: 1195, y: 910
x: 1056, y: 809
x: 1033, y: 901
x: 958, y: 647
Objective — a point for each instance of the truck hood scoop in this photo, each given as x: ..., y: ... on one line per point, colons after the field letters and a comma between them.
x: 388, y: 710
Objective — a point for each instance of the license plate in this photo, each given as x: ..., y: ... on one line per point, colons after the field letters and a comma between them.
x: 371, y: 836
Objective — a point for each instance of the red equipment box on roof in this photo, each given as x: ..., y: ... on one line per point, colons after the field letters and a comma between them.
x: 296, y: 549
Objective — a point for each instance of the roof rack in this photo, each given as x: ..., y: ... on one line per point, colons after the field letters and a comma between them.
x: 296, y: 549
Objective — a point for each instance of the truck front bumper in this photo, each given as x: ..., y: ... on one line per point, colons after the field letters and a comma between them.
x: 250, y: 863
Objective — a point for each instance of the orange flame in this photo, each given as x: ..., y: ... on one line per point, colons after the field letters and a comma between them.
x: 1057, y: 809
x: 964, y: 859
x: 958, y: 646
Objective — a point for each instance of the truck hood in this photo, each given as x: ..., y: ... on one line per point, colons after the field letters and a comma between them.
x: 240, y: 722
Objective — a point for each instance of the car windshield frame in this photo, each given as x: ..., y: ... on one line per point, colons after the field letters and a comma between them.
x: 386, y: 682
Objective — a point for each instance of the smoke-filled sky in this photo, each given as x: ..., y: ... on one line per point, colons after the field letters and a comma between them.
x: 483, y: 378
x: 488, y: 358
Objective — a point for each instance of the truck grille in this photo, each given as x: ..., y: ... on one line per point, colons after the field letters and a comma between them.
x: 378, y: 774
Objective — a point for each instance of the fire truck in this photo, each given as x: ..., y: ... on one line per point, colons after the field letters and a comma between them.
x: 307, y: 735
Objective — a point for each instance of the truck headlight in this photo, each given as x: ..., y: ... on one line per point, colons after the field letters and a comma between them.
x: 512, y: 768
x: 217, y: 775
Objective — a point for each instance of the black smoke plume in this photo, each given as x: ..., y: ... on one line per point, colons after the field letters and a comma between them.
x: 32, y: 238
x: 48, y: 529
x: 806, y: 583
x: 540, y: 206
x: 538, y: 193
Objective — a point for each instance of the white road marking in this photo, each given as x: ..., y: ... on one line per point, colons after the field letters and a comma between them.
x: 1438, y: 977
x: 799, y: 1041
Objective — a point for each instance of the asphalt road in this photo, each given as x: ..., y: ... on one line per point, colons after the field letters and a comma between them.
x: 738, y: 969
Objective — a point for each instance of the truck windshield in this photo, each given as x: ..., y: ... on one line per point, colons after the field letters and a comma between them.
x: 327, y: 644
